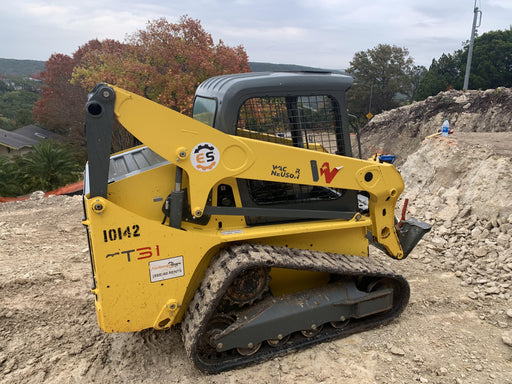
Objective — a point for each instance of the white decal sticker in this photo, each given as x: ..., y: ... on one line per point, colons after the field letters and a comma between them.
x: 205, y: 157
x: 232, y: 232
x: 166, y: 269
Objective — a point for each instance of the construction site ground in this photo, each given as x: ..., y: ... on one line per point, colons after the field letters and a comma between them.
x: 456, y: 329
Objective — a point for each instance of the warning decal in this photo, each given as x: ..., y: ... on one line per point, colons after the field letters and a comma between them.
x: 166, y: 269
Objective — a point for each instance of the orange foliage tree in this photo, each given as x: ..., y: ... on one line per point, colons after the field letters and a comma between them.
x: 165, y: 63
x: 58, y: 104
x: 61, y: 107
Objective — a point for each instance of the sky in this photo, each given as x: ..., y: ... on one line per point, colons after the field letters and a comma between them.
x: 316, y: 33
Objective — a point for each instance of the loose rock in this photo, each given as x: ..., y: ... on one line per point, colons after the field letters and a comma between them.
x: 507, y: 338
x: 397, y: 351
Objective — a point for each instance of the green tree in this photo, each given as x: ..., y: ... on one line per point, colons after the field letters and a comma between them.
x: 443, y: 74
x: 3, y: 87
x: 48, y: 166
x: 17, y: 107
x: 6, y: 123
x: 491, y: 66
x: 380, y: 74
x: 9, y: 183
x: 415, y: 74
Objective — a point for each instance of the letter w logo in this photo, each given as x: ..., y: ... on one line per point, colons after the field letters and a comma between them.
x: 325, y: 170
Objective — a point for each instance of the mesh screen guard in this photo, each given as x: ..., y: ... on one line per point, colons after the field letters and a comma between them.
x: 310, y: 122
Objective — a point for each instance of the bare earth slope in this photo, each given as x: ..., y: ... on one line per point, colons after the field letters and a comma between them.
x: 456, y: 329
x: 402, y: 130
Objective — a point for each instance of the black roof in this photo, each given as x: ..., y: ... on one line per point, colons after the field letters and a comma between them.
x: 25, y: 136
x: 231, y: 91
x: 273, y: 83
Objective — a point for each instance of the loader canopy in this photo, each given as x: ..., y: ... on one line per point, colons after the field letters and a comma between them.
x: 302, y: 109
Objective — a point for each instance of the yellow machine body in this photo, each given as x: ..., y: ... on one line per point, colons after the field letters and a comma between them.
x: 146, y: 273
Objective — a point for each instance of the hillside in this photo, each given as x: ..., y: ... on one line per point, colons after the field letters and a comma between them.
x: 401, y: 131
x: 20, y: 68
x: 26, y: 68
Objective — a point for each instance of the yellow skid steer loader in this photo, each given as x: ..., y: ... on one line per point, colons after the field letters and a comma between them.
x: 249, y: 224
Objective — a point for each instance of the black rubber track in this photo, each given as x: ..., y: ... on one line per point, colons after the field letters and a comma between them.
x: 231, y: 261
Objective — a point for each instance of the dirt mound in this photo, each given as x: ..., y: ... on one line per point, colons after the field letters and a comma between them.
x: 401, y: 131
x: 463, y: 171
x: 465, y: 190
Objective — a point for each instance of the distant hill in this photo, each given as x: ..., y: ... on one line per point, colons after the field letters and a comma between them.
x: 26, y: 68
x: 20, y: 68
x: 270, y: 67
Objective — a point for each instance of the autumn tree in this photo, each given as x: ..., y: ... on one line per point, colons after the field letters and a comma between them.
x: 380, y: 74
x: 61, y: 107
x: 58, y: 108
x: 164, y: 62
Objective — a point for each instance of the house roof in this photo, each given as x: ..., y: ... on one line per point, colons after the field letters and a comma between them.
x: 25, y: 136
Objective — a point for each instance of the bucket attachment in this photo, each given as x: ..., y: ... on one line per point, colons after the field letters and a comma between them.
x: 410, y: 233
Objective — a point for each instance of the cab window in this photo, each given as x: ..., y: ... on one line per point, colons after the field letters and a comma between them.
x: 204, y: 110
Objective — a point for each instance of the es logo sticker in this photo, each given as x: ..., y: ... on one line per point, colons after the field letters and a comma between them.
x: 205, y: 157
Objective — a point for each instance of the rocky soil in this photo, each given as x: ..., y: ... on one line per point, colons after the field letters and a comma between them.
x: 402, y: 130
x: 456, y: 329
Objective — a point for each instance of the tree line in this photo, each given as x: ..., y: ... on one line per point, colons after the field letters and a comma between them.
x: 491, y: 66
x: 387, y: 77
x: 165, y: 62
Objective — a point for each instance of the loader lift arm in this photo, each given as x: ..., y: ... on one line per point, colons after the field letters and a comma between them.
x: 178, y: 135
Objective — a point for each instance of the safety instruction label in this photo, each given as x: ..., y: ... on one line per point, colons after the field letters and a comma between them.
x: 166, y: 269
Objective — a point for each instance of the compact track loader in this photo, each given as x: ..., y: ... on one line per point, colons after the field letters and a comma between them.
x: 249, y: 224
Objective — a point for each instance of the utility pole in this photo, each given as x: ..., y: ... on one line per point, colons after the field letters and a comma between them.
x: 371, y: 96
x: 477, y: 14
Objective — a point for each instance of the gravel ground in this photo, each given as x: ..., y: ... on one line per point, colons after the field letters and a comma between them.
x: 456, y: 329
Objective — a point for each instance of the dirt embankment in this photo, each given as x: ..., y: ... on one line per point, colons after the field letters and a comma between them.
x: 402, y: 130
x: 456, y: 329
